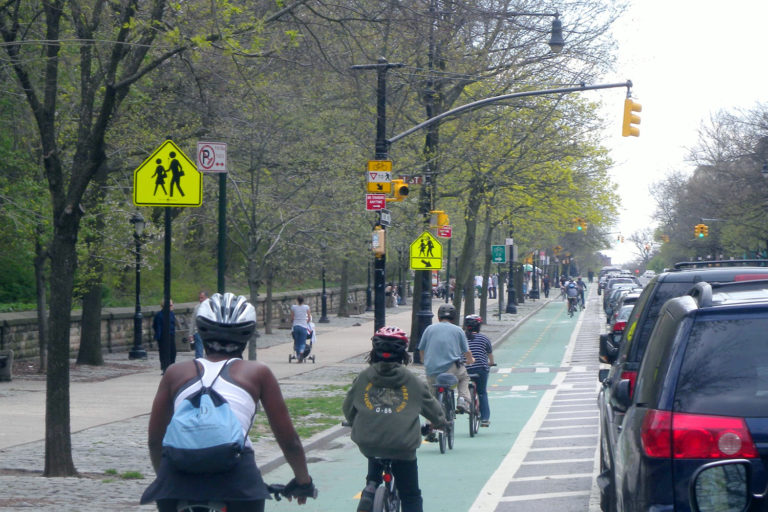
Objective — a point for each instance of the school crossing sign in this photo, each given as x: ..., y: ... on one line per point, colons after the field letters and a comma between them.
x: 167, y: 178
x: 426, y: 253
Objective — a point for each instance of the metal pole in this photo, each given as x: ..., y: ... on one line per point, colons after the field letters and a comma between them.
x: 324, y: 315
x: 511, y: 300
x: 165, y: 349
x: 138, y: 351
x: 222, y: 257
x: 534, y: 293
x: 401, y: 293
x: 448, y: 272
x: 368, y: 295
x: 500, y: 291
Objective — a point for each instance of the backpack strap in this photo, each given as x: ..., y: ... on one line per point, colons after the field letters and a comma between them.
x: 218, y: 374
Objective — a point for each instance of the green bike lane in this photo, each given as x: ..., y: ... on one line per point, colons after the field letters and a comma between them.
x: 526, y: 363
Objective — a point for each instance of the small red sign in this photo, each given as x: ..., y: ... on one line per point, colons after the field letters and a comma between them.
x: 444, y: 231
x: 375, y: 202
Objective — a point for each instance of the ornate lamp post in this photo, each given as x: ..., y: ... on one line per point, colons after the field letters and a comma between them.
x: 511, y: 299
x: 137, y: 352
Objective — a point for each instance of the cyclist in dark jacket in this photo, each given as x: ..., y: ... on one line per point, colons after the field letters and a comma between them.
x: 383, y: 406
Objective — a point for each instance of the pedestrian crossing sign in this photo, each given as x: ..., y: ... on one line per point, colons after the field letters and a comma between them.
x: 426, y: 253
x: 167, y: 178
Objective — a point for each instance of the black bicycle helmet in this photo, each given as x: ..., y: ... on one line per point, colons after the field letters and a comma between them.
x: 446, y: 311
x: 226, y: 322
x: 472, y: 323
x: 389, y: 344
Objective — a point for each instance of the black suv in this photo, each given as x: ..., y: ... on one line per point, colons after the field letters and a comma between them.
x: 626, y: 360
x: 701, y: 394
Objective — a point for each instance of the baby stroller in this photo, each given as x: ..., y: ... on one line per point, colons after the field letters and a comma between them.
x: 311, y: 339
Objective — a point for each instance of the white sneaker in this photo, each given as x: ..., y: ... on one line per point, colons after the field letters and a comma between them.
x: 462, y: 405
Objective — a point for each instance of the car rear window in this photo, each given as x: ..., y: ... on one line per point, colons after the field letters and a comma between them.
x: 725, y: 369
x: 665, y: 292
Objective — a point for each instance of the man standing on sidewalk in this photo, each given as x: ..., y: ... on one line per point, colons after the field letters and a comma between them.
x: 442, y: 347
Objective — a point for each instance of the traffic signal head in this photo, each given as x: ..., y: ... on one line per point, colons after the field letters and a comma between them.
x: 697, y: 231
x: 704, y: 230
x: 399, y: 190
x: 439, y: 218
x: 579, y: 224
x: 628, y: 125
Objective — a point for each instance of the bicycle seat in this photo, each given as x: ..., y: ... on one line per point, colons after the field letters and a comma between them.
x: 447, y: 380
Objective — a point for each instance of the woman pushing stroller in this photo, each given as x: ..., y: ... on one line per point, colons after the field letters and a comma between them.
x: 300, y: 319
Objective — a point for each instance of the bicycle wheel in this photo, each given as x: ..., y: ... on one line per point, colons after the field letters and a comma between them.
x: 380, y: 499
x: 441, y: 438
x: 450, y: 406
x: 196, y: 506
x: 474, y: 411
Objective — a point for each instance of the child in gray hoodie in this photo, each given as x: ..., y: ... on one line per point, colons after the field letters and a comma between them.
x: 383, y: 406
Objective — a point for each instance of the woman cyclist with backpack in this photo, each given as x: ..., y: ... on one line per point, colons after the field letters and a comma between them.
x: 383, y: 406
x: 225, y: 324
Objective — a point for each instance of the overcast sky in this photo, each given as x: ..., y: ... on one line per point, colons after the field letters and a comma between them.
x: 687, y: 60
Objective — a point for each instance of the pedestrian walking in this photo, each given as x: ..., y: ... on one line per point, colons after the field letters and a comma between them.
x: 165, y: 347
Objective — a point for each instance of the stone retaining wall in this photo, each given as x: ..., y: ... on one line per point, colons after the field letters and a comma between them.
x: 18, y: 331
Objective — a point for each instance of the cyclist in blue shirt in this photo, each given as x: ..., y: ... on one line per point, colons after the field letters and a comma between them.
x: 482, y: 351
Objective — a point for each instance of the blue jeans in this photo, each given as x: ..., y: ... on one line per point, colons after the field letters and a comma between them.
x: 198, y: 346
x: 299, y: 339
x: 481, y: 384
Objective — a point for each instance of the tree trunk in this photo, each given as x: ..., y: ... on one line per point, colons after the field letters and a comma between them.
x: 343, y: 299
x: 486, y: 263
x: 90, y: 332
x: 41, y: 256
x: 253, y: 286
x: 464, y: 274
x: 58, y: 441
x: 268, y: 302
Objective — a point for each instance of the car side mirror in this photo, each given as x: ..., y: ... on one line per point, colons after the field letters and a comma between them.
x: 608, y: 351
x: 722, y: 486
x: 620, y: 398
x: 602, y: 374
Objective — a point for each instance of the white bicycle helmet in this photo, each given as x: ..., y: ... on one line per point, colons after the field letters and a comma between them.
x: 226, y: 322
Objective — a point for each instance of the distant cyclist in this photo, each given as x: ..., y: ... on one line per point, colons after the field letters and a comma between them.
x: 383, y: 406
x: 572, y: 294
x: 443, y: 348
x: 482, y: 351
x: 225, y: 324
x: 582, y: 286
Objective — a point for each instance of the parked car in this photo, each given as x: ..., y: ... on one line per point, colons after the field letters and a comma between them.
x: 610, y: 341
x: 626, y: 361
x: 614, y: 294
x: 626, y: 299
x: 701, y: 394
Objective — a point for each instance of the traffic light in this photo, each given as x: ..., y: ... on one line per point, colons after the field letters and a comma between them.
x: 399, y: 190
x: 665, y: 238
x: 579, y: 224
x: 439, y: 218
x: 704, y: 230
x: 630, y: 119
x: 621, y: 239
x: 698, y: 232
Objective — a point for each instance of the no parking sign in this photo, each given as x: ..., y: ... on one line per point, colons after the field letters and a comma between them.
x: 211, y: 157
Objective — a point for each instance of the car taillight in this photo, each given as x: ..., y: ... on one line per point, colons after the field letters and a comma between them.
x: 619, y: 326
x: 631, y: 377
x: 695, y: 436
x: 441, y: 389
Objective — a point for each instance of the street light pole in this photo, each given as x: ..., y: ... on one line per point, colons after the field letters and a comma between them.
x: 368, y: 297
x: 382, y: 147
x: 511, y: 300
x: 534, y: 293
x: 137, y: 352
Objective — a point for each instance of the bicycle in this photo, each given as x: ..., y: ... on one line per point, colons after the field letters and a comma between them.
x: 386, y: 498
x: 571, y: 306
x: 474, y: 406
x: 276, y: 490
x: 445, y: 383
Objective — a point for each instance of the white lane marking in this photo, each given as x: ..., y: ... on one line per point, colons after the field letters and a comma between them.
x: 493, y: 490
x: 540, y: 438
x: 528, y: 497
x: 569, y: 419
x: 561, y: 448
x: 558, y: 461
x: 549, y: 477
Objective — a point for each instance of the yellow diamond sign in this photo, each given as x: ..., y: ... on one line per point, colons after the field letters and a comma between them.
x: 167, y: 178
x: 426, y: 253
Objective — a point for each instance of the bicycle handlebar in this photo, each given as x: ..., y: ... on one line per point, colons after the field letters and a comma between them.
x: 296, y: 491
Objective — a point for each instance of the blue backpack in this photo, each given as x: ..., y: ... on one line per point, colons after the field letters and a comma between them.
x: 204, y: 435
